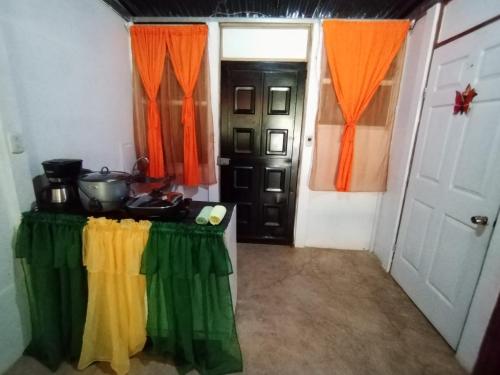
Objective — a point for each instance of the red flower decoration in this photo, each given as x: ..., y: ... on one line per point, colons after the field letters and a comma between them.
x: 463, y: 100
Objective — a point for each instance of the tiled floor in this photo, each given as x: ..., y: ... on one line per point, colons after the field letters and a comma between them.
x: 313, y: 311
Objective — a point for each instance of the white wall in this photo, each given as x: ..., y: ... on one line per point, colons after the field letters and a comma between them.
x: 213, y: 46
x: 419, y: 49
x: 65, y: 86
x: 460, y: 15
x: 16, y: 195
x: 70, y: 68
x: 275, y: 43
x: 14, y: 312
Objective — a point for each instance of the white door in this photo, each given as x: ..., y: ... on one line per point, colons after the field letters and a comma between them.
x: 455, y: 175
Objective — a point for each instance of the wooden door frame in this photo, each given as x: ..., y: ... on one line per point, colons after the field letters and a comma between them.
x: 301, y: 69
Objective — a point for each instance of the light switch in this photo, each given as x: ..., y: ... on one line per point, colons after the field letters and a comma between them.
x: 16, y: 143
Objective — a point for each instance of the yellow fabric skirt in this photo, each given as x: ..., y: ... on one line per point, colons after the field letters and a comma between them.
x: 116, y: 311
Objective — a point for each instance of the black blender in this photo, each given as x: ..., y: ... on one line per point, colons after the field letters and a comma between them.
x: 61, y: 190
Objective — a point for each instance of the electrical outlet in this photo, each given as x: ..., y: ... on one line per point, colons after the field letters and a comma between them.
x: 16, y: 143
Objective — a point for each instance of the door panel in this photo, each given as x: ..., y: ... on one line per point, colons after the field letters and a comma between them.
x: 261, y: 123
x: 241, y: 182
x: 455, y: 175
x: 280, y: 97
x: 435, y: 145
x: 243, y: 110
x: 274, y: 200
x: 413, y: 247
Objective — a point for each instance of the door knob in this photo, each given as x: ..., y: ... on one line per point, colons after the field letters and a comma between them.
x: 479, y: 220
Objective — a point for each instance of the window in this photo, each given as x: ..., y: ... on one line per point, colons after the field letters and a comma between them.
x: 373, y: 133
x: 169, y: 101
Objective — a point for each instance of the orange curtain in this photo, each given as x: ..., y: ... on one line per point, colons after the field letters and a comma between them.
x: 359, y: 54
x: 170, y: 96
x: 149, y: 50
x: 186, y: 45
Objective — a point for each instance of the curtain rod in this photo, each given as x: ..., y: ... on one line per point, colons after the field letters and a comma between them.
x: 232, y: 20
x: 168, y: 23
x: 195, y: 20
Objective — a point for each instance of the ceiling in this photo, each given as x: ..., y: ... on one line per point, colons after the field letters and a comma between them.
x: 295, y: 9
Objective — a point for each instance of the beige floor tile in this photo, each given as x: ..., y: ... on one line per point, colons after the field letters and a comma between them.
x: 315, y: 311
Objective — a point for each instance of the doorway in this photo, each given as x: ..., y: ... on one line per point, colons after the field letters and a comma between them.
x: 261, y: 120
x: 453, y: 194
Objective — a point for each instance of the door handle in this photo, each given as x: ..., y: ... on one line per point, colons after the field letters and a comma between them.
x: 479, y: 220
x: 279, y: 200
x: 223, y: 161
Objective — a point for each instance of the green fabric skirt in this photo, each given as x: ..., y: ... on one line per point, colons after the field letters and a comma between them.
x: 190, y: 312
x: 50, y: 248
x: 187, y: 268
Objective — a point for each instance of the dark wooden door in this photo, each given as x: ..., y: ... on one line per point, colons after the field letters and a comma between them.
x: 261, y: 109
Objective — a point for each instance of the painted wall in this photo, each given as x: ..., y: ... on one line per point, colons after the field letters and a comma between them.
x: 419, y: 49
x: 213, y: 45
x: 66, y: 89
x: 245, y: 42
x: 14, y: 324
x: 15, y: 196
x: 460, y: 15
x: 70, y: 63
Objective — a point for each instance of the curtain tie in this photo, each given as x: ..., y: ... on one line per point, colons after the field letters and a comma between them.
x: 349, y: 131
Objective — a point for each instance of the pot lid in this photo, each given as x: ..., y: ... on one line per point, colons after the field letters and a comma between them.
x: 62, y: 161
x: 105, y: 175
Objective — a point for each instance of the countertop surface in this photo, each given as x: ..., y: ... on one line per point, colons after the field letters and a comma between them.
x: 186, y: 216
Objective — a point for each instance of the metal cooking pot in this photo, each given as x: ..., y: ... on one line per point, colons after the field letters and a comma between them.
x: 103, y: 191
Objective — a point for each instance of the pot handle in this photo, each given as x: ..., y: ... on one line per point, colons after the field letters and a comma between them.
x: 95, y: 205
x: 104, y: 170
